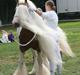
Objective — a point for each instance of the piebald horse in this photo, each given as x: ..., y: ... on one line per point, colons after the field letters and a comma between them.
x: 25, y: 37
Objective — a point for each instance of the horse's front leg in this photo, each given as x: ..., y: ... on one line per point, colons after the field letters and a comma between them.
x: 21, y: 70
x: 45, y: 60
x: 33, y: 71
x: 41, y: 69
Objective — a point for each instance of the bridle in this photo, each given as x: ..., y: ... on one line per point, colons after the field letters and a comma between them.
x: 27, y: 42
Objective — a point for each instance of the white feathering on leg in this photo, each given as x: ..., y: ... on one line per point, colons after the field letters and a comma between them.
x: 45, y: 63
x: 41, y: 68
x: 21, y: 70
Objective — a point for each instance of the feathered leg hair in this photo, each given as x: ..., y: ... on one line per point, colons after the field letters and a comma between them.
x: 43, y: 59
x: 41, y: 69
x: 21, y: 70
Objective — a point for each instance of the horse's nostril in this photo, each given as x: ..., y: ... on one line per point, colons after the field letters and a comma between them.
x: 16, y: 24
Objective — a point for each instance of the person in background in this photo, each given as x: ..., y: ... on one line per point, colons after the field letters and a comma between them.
x: 11, y: 37
x: 51, y: 19
x: 4, y: 38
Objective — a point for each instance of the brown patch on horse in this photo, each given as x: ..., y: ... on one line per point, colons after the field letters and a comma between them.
x: 26, y: 36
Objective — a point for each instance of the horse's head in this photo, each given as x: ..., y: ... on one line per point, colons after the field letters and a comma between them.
x: 23, y: 13
x: 16, y: 19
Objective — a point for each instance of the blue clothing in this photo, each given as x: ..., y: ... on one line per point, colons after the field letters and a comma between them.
x: 11, y: 37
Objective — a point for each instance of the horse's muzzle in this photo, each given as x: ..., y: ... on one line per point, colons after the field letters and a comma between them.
x: 16, y: 25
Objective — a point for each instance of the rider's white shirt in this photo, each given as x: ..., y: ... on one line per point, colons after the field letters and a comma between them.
x: 51, y: 19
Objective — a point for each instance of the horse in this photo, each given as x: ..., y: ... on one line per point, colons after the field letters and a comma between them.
x: 25, y: 36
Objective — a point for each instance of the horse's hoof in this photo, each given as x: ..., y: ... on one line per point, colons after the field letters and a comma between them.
x: 32, y: 72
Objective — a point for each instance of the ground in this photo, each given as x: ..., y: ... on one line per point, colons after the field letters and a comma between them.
x: 9, y: 53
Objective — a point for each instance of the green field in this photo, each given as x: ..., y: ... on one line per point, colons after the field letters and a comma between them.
x: 9, y: 53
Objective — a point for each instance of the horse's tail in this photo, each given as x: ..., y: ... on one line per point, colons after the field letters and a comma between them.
x: 64, y: 43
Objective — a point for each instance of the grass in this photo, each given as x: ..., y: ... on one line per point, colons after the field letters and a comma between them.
x: 9, y: 53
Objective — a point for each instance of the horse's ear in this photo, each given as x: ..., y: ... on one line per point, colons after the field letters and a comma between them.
x: 26, y: 1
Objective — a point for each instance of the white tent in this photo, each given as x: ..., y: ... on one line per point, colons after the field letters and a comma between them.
x: 65, y: 6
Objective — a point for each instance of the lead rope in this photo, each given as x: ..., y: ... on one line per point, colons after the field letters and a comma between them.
x: 27, y: 42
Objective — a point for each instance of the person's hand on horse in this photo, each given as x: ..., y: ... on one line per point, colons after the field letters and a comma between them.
x: 39, y: 11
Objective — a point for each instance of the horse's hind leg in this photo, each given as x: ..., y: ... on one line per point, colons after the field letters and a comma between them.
x: 21, y: 70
